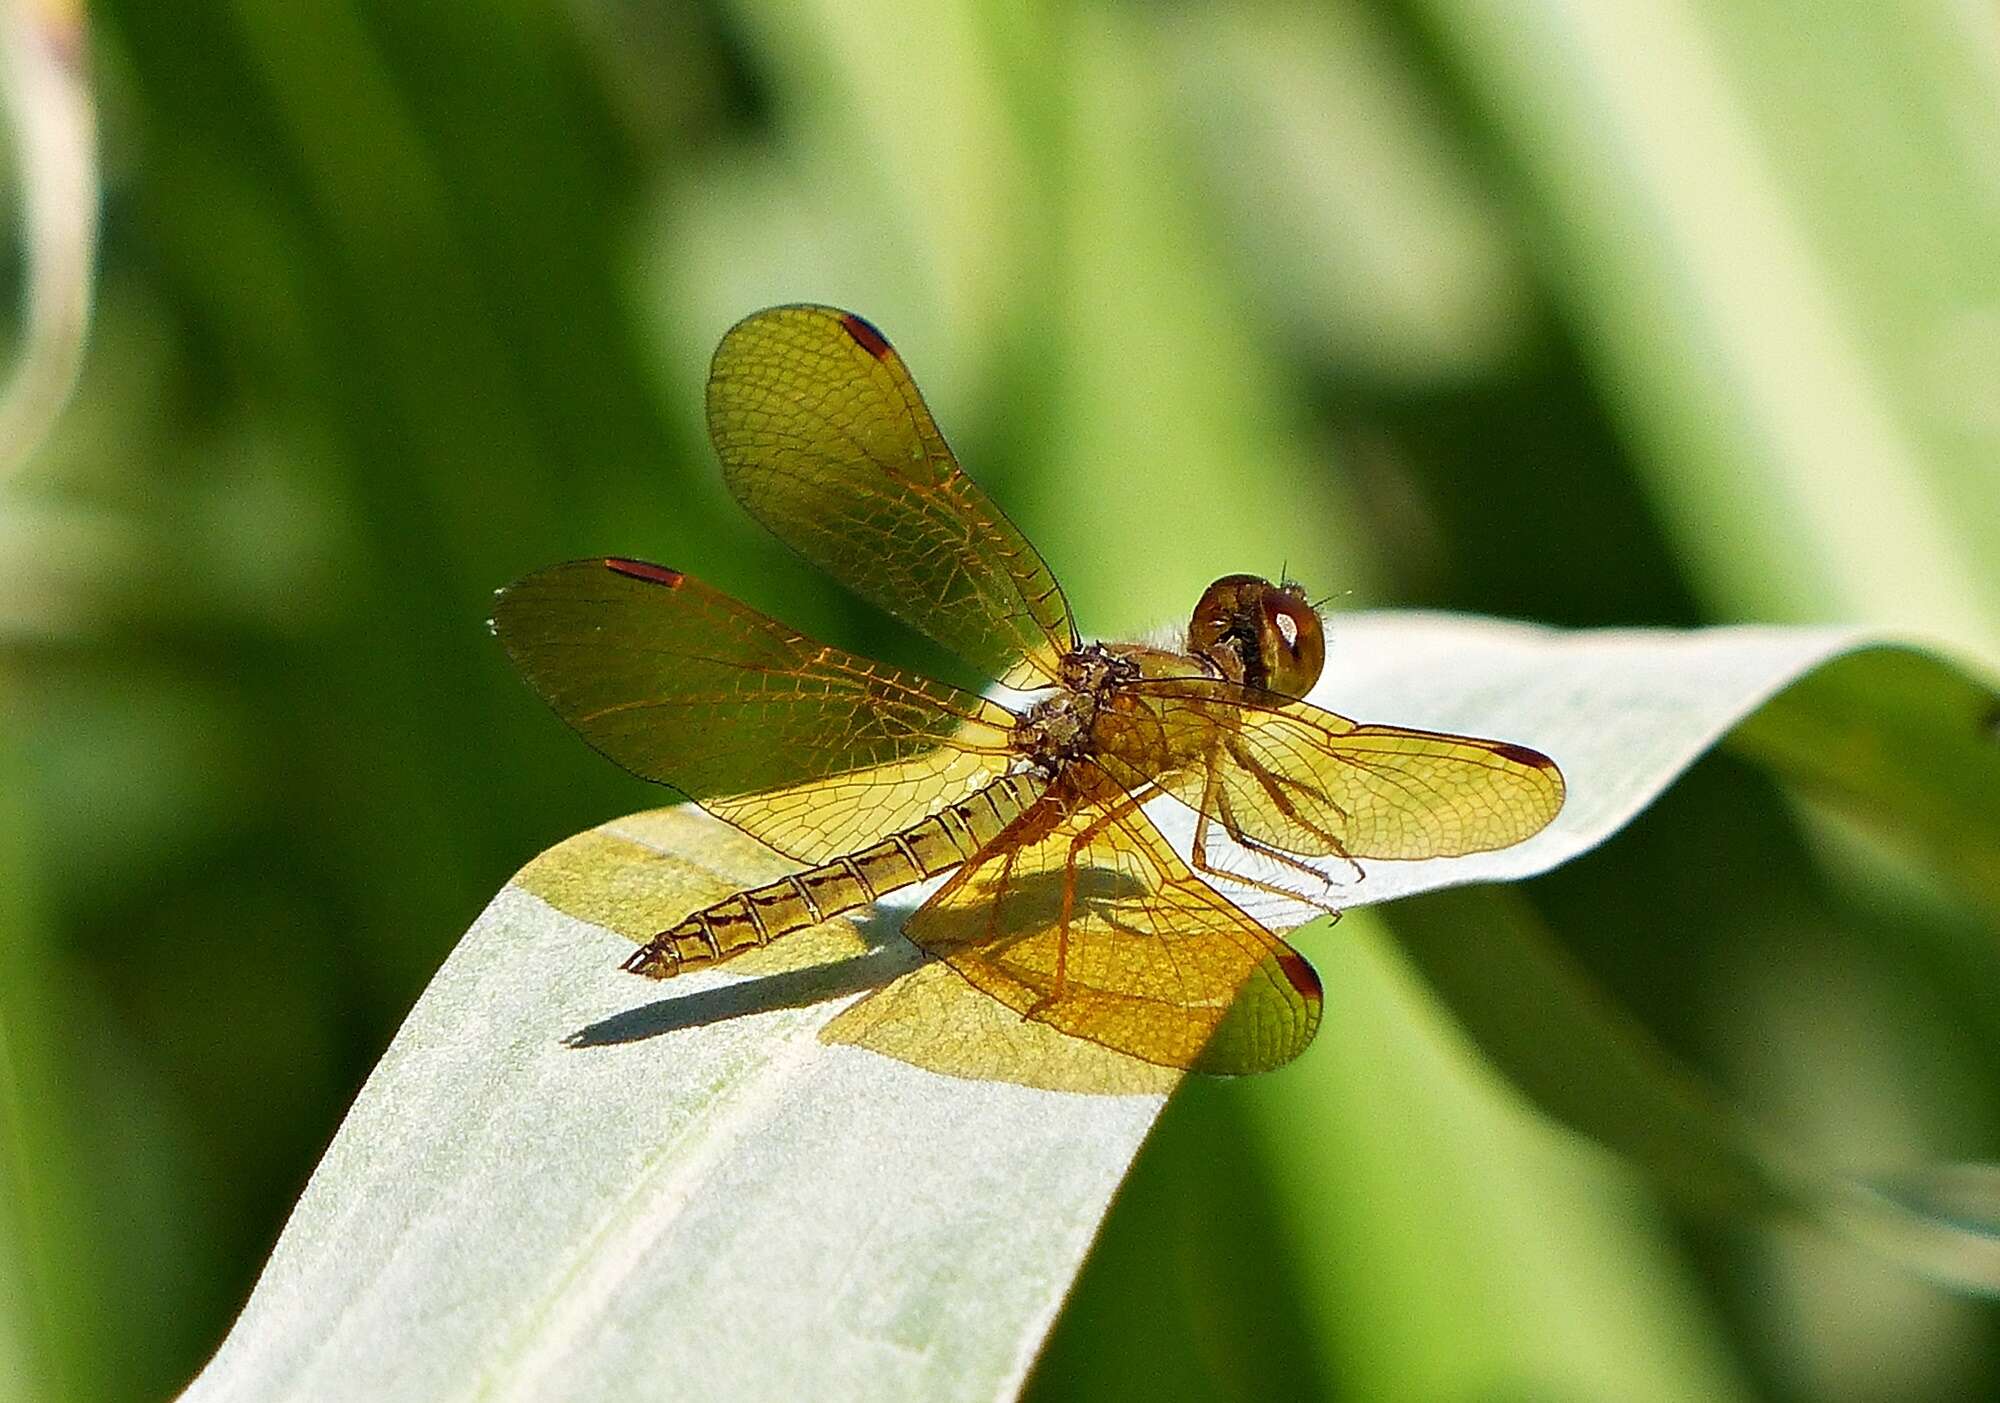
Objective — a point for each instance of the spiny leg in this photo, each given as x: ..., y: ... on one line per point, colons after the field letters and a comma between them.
x: 1130, y: 800
x: 1213, y: 796
x: 1319, y: 901
x: 1273, y: 785
x: 1234, y: 829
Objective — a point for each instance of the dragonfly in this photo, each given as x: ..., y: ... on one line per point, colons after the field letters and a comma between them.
x: 1062, y: 899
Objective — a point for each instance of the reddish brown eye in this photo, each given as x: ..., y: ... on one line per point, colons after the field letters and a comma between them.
x: 1263, y: 635
x: 1291, y: 642
x: 1224, y: 628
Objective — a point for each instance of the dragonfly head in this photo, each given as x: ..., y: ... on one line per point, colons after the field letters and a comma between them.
x: 1260, y: 634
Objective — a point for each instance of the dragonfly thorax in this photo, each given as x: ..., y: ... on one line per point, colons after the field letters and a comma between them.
x: 1057, y: 727
x: 1093, y: 667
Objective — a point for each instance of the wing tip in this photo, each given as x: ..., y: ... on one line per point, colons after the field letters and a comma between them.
x: 1523, y: 755
x: 1542, y: 765
x: 865, y: 335
x: 1300, y: 974
x: 645, y: 571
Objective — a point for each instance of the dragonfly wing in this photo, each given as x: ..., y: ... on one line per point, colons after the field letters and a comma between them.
x: 1292, y: 775
x: 1081, y: 916
x: 825, y: 439
x: 811, y: 749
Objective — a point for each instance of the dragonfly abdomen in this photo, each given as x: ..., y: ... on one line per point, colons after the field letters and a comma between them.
x: 756, y: 917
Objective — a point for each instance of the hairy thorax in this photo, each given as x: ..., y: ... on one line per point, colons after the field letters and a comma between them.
x: 1097, y: 713
x: 1059, y: 727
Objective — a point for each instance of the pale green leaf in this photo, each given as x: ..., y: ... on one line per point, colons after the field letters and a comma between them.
x: 563, y: 1183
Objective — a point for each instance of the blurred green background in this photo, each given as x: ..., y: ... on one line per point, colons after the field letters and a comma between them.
x: 1664, y: 312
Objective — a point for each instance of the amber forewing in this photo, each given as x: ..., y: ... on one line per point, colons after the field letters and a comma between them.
x: 1081, y: 916
x: 813, y: 750
x: 1297, y: 777
x: 825, y: 439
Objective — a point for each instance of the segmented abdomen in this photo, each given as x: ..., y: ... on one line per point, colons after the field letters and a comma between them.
x: 762, y: 914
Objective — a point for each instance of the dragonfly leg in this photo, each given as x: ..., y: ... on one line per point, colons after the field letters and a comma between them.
x: 1273, y: 784
x: 1213, y: 798
x: 1127, y: 802
x: 1292, y: 860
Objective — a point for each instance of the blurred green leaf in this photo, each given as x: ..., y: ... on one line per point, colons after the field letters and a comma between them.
x: 1904, y: 746
x: 1341, y: 193
x: 1424, y: 1202
x: 1777, y: 253
x: 1162, y: 403
x: 50, y: 1288
x: 1898, y: 733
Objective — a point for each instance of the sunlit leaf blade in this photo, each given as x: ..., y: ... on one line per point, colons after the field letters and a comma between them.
x: 563, y: 1183
x: 736, y: 1210
x: 1621, y: 711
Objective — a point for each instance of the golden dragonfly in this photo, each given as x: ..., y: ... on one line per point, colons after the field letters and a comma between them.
x: 1063, y: 901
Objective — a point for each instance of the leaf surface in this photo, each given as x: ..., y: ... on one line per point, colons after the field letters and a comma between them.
x: 561, y: 1182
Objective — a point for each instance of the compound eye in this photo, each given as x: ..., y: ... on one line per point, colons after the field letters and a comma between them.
x: 1292, y: 643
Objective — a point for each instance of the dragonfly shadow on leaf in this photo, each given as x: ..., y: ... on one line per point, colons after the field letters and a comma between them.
x: 1093, y: 891
x: 887, y: 957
